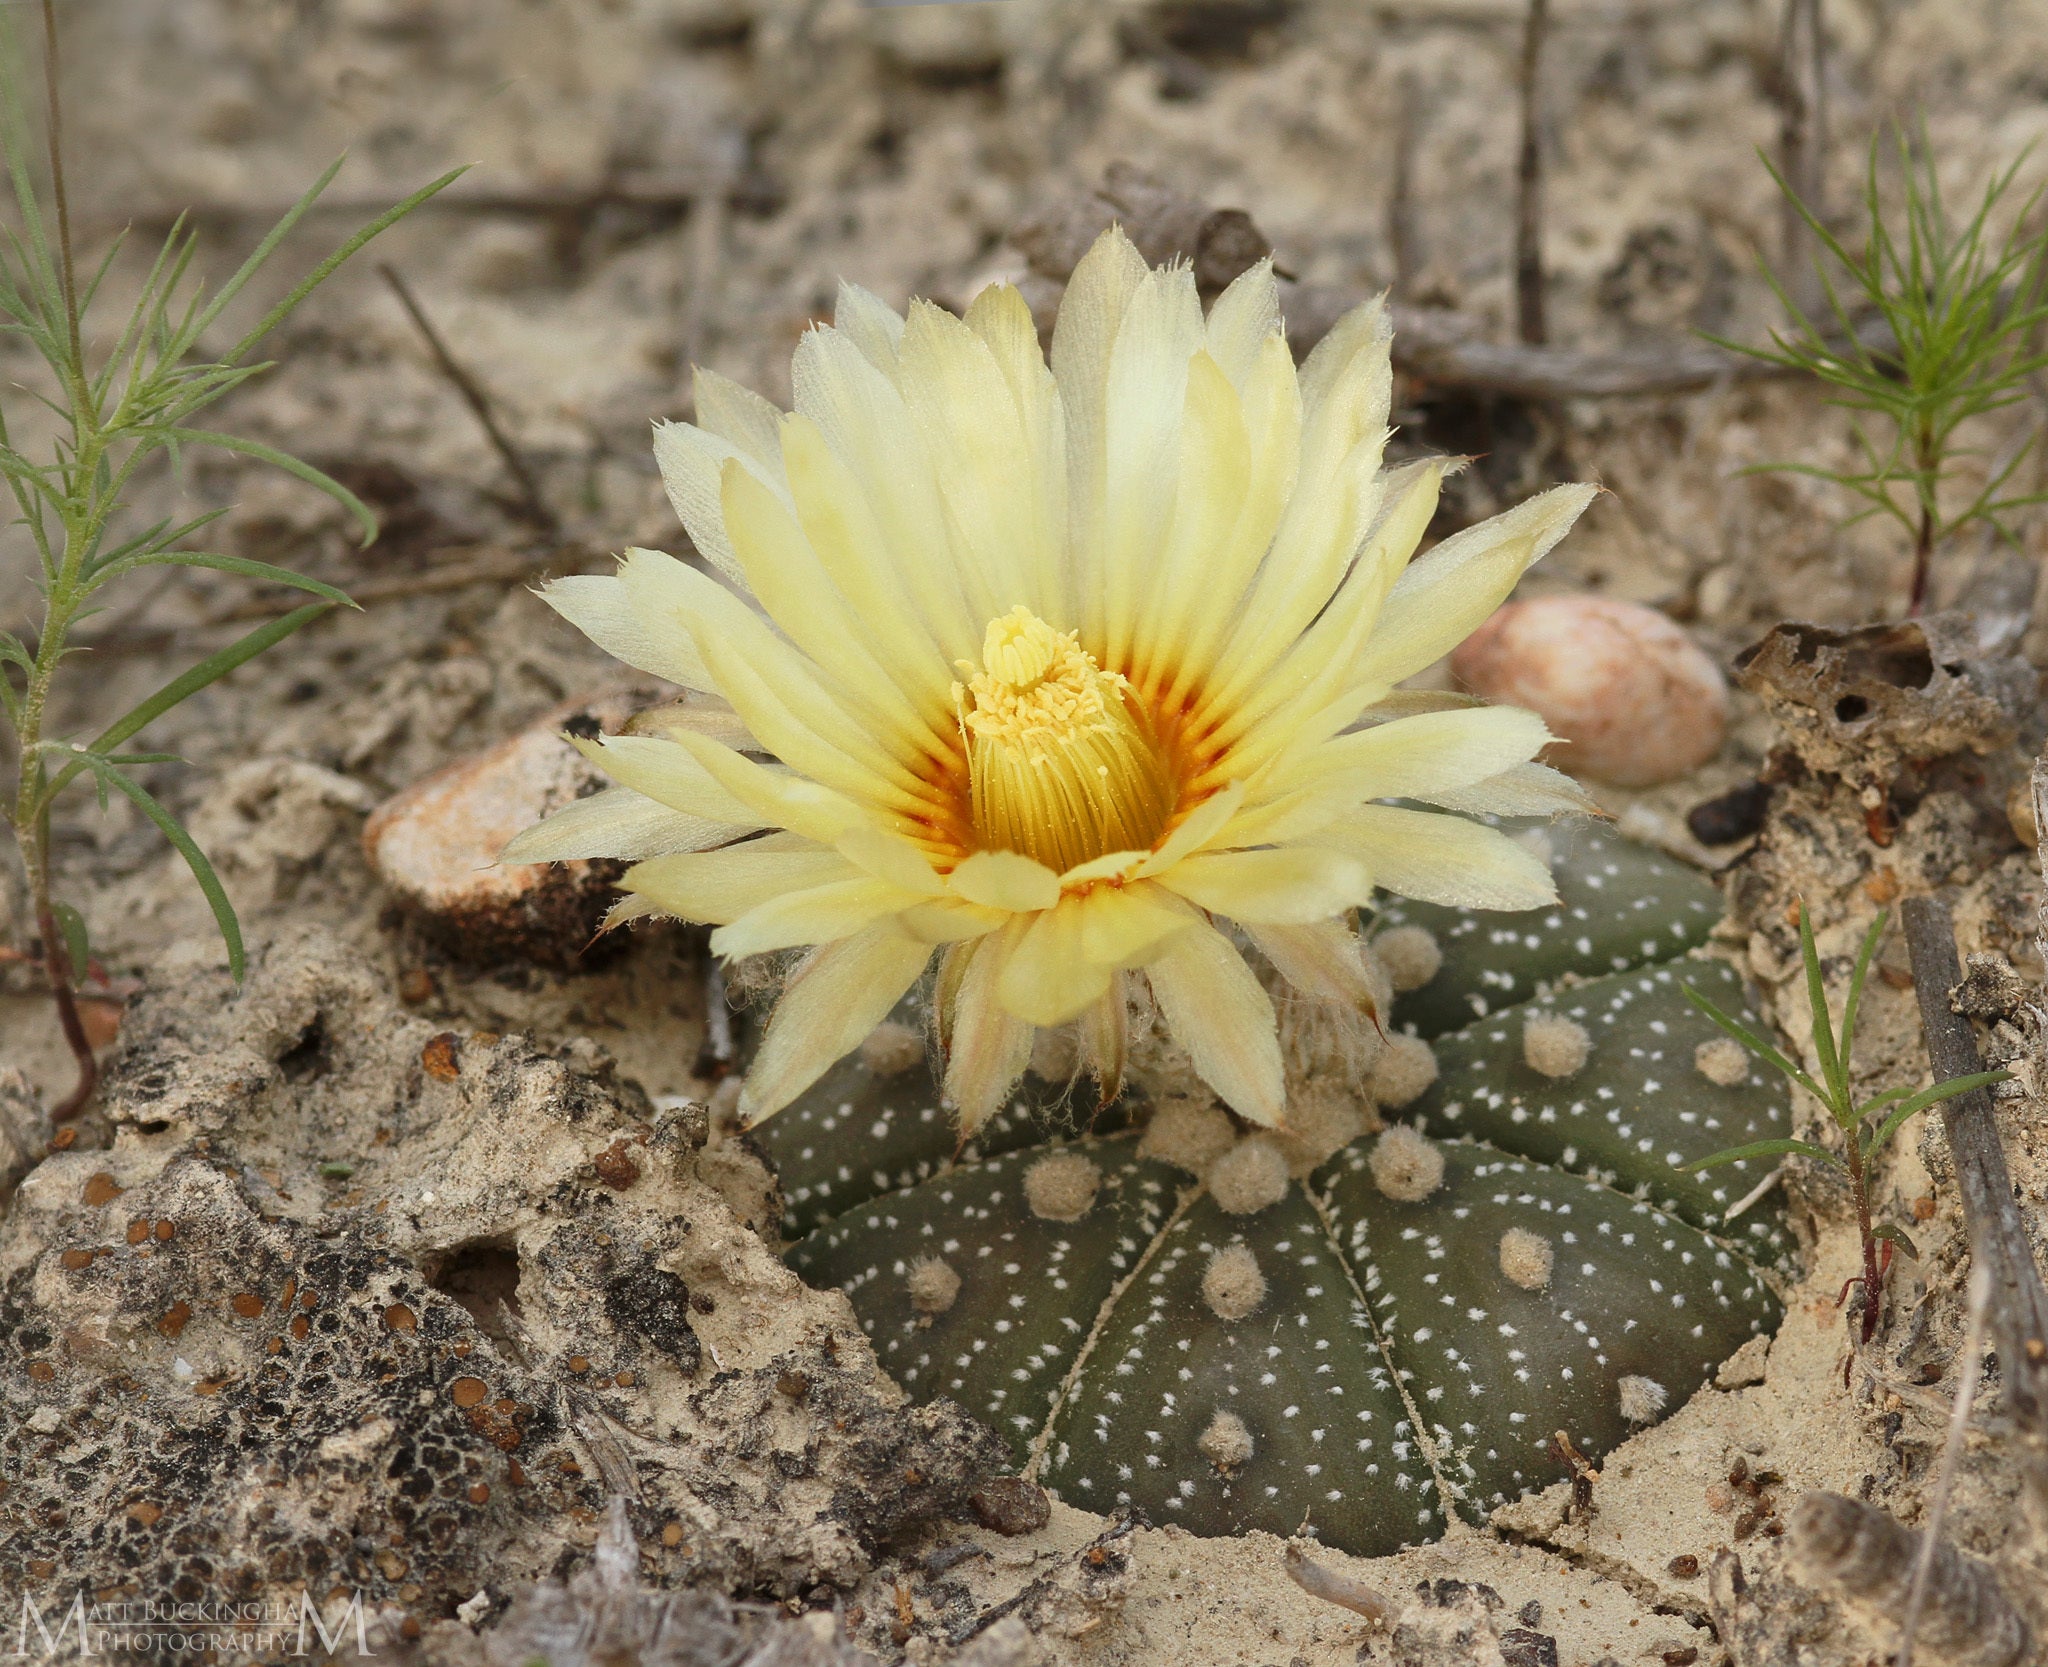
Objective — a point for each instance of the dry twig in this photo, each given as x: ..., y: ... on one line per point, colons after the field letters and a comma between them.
x: 1998, y: 1237
x: 1529, y: 182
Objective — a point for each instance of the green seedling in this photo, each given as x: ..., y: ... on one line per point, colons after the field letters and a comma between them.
x: 1867, y: 1127
x: 125, y: 398
x: 1960, y: 309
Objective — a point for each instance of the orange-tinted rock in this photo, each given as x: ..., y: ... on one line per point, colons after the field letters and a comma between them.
x: 436, y: 844
x: 1637, y: 700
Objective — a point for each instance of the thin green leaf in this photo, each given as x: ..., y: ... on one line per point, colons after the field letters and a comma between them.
x: 1857, y: 977
x: 321, y: 273
x: 261, y: 254
x: 1898, y: 1236
x: 111, y: 775
x: 1823, y: 1026
x: 72, y: 924
x: 248, y: 569
x: 1919, y: 1102
x: 1763, y: 1149
x: 1755, y: 1043
x: 293, y: 466
x: 183, y: 687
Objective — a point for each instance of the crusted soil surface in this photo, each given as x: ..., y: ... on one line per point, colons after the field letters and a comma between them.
x: 396, y: 1268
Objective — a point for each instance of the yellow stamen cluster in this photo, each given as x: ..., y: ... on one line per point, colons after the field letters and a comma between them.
x: 1061, y: 765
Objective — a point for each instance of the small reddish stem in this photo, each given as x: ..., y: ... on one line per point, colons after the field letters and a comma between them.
x: 57, y: 963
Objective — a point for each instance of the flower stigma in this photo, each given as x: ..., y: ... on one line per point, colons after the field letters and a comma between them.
x: 1062, y: 764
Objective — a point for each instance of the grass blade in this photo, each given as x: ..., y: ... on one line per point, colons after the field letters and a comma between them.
x: 1763, y: 1149
x: 1823, y: 1025
x: 111, y: 775
x: 315, y: 478
x: 1755, y: 1043
x: 218, y: 563
x: 1931, y: 1097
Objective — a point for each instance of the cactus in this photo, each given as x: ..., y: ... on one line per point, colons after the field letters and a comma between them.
x: 1362, y: 1349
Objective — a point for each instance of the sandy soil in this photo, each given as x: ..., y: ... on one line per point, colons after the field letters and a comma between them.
x: 657, y: 183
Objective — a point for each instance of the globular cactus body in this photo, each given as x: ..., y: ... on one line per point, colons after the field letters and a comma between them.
x: 1402, y: 1332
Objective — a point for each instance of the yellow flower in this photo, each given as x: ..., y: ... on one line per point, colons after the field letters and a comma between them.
x: 1066, y: 675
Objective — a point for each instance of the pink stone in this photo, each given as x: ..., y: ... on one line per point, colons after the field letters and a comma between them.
x: 1635, y: 697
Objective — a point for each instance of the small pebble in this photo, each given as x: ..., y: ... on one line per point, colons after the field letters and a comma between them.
x: 1734, y: 815
x: 1011, y: 1505
x: 1684, y: 1567
x: 1635, y: 698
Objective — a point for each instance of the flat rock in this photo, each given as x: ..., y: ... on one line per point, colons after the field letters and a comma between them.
x: 436, y: 843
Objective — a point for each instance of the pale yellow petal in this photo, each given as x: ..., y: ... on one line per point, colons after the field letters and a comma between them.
x: 951, y: 920
x: 1113, y: 865
x: 1241, y: 321
x: 1127, y: 926
x: 1006, y: 880
x: 615, y: 823
x: 776, y: 798
x: 1001, y: 317
x: 1323, y: 961
x: 718, y: 887
x: 1291, y: 886
x: 669, y: 773
x: 1445, y: 595
x: 599, y: 607
x: 741, y: 417
x: 1523, y: 790
x: 1443, y: 859
x: 692, y: 463
x: 1103, y: 1038
x: 785, y: 574
x: 893, y: 858
x: 837, y: 997
x: 1199, y: 828
x: 870, y: 323
x: 1046, y: 979
x: 820, y: 915
x: 1224, y: 1021
x: 1428, y: 753
x: 987, y: 1048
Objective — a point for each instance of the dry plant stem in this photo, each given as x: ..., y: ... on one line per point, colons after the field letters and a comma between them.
x: 1341, y: 1589
x: 532, y: 503
x: 1529, y: 183
x: 1873, y: 1274
x: 1998, y: 1238
x: 1951, y: 1453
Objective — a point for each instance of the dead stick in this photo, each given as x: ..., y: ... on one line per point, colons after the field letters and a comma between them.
x: 1802, y: 141
x: 1529, y: 183
x: 535, y: 506
x: 1998, y: 1238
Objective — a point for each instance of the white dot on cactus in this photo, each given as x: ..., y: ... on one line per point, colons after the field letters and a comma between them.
x: 891, y: 1049
x: 1526, y: 1258
x: 1250, y: 1177
x: 1641, y: 1399
x: 934, y: 1286
x: 1405, y: 1069
x: 1411, y: 955
x: 1723, y: 1061
x: 1406, y: 1166
x: 1188, y: 1134
x: 1061, y: 1186
x: 1555, y: 1045
x: 1226, y: 1443
x: 1232, y: 1284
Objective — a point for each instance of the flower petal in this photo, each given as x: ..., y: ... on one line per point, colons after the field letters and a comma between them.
x: 827, y: 1010
x: 820, y: 915
x: 1288, y: 887
x: 1202, y: 826
x: 987, y: 1048
x: 1522, y: 790
x: 669, y: 773
x: 774, y: 797
x: 1045, y: 978
x: 1126, y: 926
x: 718, y: 887
x: 599, y: 606
x: 870, y: 323
x: 948, y: 920
x: 1323, y: 961
x: 1444, y: 597
x: 1443, y: 859
x: 1006, y: 880
x: 615, y: 823
x: 1224, y: 1020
